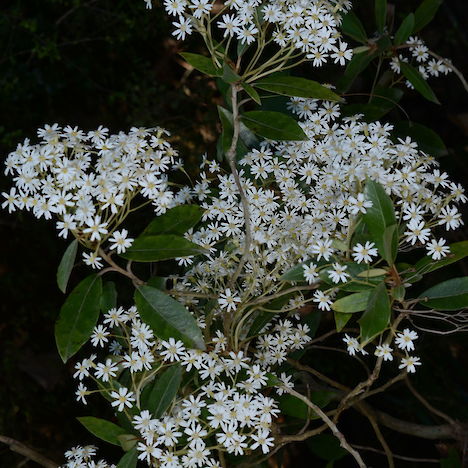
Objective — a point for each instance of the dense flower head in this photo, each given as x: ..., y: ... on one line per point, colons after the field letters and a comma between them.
x: 222, y: 402
x: 297, y: 26
x: 88, y: 180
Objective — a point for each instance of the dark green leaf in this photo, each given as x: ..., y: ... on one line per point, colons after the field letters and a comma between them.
x: 425, y: 13
x: 164, y: 247
x: 352, y: 27
x: 326, y: 447
x: 448, y: 295
x: 127, y: 441
x: 251, y: 92
x: 273, y: 125
x: 356, y: 65
x: 377, y: 315
x: 164, y: 391
x: 294, y: 274
x: 66, y: 266
x: 458, y: 251
x: 167, y: 317
x: 108, y: 297
x: 157, y: 282
x: 380, y: 14
x: 177, y: 220
x: 427, y: 140
x: 380, y: 220
x: 78, y: 316
x: 129, y: 460
x: 419, y: 83
x: 201, y: 63
x: 102, y: 429
x: 341, y: 320
x: 295, y: 86
x: 351, y: 303
x: 292, y: 406
x: 405, y: 30
x: 452, y: 460
x: 229, y: 75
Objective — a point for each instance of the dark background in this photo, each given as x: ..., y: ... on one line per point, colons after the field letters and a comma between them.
x: 114, y: 63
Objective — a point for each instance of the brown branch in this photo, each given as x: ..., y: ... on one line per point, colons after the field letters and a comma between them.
x: 336, y: 432
x: 31, y: 454
x: 399, y: 457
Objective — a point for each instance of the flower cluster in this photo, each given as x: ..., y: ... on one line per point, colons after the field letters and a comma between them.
x: 404, y: 341
x: 297, y: 27
x: 305, y: 199
x: 83, y: 457
x: 415, y: 50
x: 221, y: 404
x: 89, y: 180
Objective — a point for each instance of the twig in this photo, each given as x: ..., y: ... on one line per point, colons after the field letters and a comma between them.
x: 399, y: 457
x: 114, y: 267
x: 330, y: 424
x: 22, y: 449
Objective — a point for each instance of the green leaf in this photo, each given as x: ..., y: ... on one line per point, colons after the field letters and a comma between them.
x: 66, y: 266
x: 201, y: 63
x: 419, y: 83
x: 164, y: 391
x: 448, y: 295
x: 102, y: 429
x: 167, y: 317
x: 163, y: 247
x: 458, y: 250
x: 127, y: 441
x: 273, y: 125
x: 251, y: 92
x: 377, y: 315
x: 341, y: 320
x: 355, y: 66
x: 380, y: 220
x: 295, y: 86
x: 294, y: 274
x: 351, y: 303
x: 425, y: 13
x: 427, y: 140
x: 292, y: 406
x: 352, y: 27
x: 229, y: 75
x: 177, y: 220
x: 380, y: 14
x: 405, y: 30
x: 108, y: 297
x: 129, y: 460
x: 78, y: 316
x: 326, y: 447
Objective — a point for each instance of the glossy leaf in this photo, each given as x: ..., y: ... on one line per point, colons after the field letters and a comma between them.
x: 78, y: 316
x: 163, y: 247
x: 229, y: 75
x: 352, y: 27
x: 419, y: 83
x: 458, y: 250
x: 167, y: 317
x: 426, y: 138
x: 405, y: 30
x: 380, y: 220
x: 102, y: 429
x: 294, y: 274
x: 448, y: 295
x: 356, y: 65
x: 341, y: 320
x: 177, y: 220
x: 273, y: 125
x: 108, y: 297
x: 295, y: 86
x: 380, y: 14
x: 377, y: 315
x: 425, y: 13
x: 66, y: 266
x: 164, y: 390
x: 326, y: 446
x: 127, y: 441
x: 201, y: 63
x: 292, y: 406
x: 129, y: 460
x: 251, y: 92
x: 351, y: 303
